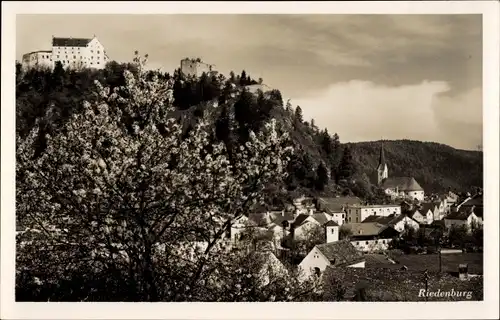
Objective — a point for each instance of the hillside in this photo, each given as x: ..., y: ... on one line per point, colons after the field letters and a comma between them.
x: 321, y: 165
x: 437, y: 167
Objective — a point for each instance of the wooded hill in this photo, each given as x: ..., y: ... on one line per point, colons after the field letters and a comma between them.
x: 321, y: 165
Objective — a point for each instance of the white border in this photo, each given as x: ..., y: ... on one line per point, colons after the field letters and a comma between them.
x: 466, y: 310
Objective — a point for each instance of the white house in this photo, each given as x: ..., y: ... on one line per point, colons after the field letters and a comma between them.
x: 421, y: 217
x: 370, y: 236
x: 333, y: 254
x: 465, y: 216
x: 430, y: 211
x: 358, y: 213
x: 397, y: 222
x: 304, y: 224
x: 73, y: 53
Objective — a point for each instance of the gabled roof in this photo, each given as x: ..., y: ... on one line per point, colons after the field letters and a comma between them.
x: 390, y: 220
x: 402, y: 183
x: 476, y: 200
x: 70, y: 42
x: 365, y: 228
x: 413, y: 212
x: 462, y: 214
x: 300, y: 219
x: 336, y: 204
x: 321, y: 217
x: 340, y: 253
x: 331, y: 223
x: 426, y: 206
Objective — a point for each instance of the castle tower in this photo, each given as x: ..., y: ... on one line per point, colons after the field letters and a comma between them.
x: 382, y: 171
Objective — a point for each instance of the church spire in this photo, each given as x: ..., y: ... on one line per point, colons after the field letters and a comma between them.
x: 381, y: 161
x: 382, y: 170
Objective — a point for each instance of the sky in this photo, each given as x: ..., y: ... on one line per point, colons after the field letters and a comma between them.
x: 365, y: 77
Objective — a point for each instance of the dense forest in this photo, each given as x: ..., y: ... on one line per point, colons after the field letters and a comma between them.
x: 321, y: 165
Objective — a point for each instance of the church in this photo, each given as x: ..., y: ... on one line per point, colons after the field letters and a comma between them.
x: 397, y: 187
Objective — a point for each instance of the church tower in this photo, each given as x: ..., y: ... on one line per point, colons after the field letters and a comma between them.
x: 382, y: 171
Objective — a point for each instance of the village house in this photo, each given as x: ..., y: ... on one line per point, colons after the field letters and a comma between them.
x: 358, y: 213
x: 432, y: 207
x: 339, y: 254
x: 304, y: 224
x: 425, y: 218
x: 397, y: 222
x: 475, y: 202
x: 397, y: 187
x: 73, y: 53
x: 370, y: 236
x: 465, y: 216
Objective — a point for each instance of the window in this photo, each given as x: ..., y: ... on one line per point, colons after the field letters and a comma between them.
x: 66, y: 56
x: 376, y: 241
x: 92, y: 57
x: 357, y: 220
x: 74, y: 57
x: 57, y: 56
x: 383, y: 241
x: 98, y: 51
x: 92, y: 51
x: 80, y: 57
x: 349, y: 219
x: 366, y: 242
x: 333, y: 231
x: 91, y: 63
x: 97, y: 62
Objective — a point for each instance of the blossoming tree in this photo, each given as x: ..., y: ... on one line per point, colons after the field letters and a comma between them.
x: 123, y: 193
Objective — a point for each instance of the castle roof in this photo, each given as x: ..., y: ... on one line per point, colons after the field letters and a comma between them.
x: 70, y: 42
x: 401, y: 183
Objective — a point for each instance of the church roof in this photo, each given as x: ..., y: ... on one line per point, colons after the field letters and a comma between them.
x: 402, y: 183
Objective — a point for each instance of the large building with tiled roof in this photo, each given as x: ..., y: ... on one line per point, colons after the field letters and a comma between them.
x: 397, y: 187
x: 75, y: 53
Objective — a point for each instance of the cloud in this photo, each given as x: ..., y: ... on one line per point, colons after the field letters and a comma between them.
x: 362, y: 110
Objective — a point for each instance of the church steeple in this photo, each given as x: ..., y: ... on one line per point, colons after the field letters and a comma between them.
x: 382, y: 170
x: 381, y: 161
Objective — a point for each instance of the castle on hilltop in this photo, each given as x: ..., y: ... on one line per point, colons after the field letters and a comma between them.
x: 397, y: 187
x: 195, y: 67
x: 73, y: 53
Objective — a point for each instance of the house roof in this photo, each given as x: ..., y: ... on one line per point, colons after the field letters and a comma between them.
x: 340, y: 252
x: 321, y: 217
x: 331, y: 223
x: 70, y: 42
x: 476, y: 200
x: 286, y: 216
x: 413, y: 212
x: 365, y: 228
x: 462, y: 214
x: 300, y: 219
x: 264, y: 218
x: 402, y: 183
x: 336, y: 204
x: 426, y: 206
